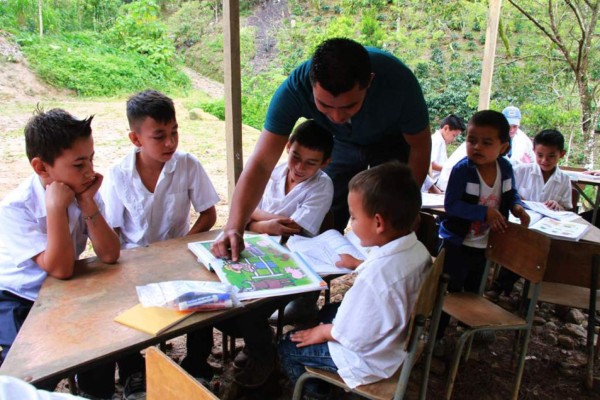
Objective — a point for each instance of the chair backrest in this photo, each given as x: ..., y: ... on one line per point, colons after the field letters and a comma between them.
x: 575, y: 199
x: 521, y: 250
x: 572, y: 263
x: 428, y: 232
x: 427, y: 294
x: 166, y: 380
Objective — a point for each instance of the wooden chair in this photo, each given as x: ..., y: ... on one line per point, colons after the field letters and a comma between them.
x: 572, y: 279
x: 427, y: 307
x: 165, y: 380
x: 522, y: 251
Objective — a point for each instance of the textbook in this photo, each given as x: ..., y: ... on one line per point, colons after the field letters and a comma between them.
x: 265, y: 268
x: 322, y: 251
x: 152, y: 320
x: 565, y: 230
x: 541, y: 208
x: 432, y: 200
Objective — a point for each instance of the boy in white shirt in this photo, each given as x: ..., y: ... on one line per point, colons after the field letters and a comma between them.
x: 299, y: 193
x: 521, y: 147
x: 543, y: 180
x: 47, y: 221
x: 450, y: 128
x: 384, y: 202
x: 149, y: 192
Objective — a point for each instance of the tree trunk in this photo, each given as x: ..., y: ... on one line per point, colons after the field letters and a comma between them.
x: 40, y: 18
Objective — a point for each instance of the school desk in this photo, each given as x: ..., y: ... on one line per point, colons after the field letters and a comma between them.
x: 579, y: 182
x: 71, y: 326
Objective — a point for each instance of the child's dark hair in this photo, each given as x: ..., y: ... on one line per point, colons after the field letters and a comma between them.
x: 493, y: 119
x: 391, y: 191
x: 312, y: 136
x: 149, y: 103
x: 47, y: 134
x: 550, y: 137
x: 454, y: 122
x: 339, y: 64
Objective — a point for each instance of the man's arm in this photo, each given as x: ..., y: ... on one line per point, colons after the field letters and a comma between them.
x: 420, y: 153
x: 205, y: 221
x: 248, y: 193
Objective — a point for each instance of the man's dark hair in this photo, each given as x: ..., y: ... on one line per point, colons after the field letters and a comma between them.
x: 339, y: 64
x: 313, y: 136
x: 149, y: 103
x: 550, y: 137
x: 493, y: 119
x: 391, y: 191
x: 47, y: 134
x: 454, y: 122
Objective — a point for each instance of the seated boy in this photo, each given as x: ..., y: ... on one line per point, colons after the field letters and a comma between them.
x: 384, y: 202
x: 541, y: 181
x: 47, y: 220
x: 148, y: 193
x: 450, y: 128
x: 299, y: 193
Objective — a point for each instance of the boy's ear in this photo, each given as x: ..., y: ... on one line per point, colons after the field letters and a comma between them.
x: 562, y: 153
x: 287, y: 147
x: 134, y: 139
x: 325, y: 163
x: 379, y: 224
x: 39, y: 167
x: 504, y: 148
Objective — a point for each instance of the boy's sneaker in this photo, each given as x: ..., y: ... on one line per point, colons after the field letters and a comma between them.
x: 484, y: 337
x: 241, y: 360
x: 254, y: 374
x: 135, y: 387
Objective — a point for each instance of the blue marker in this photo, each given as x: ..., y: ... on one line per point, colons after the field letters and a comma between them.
x: 209, y: 299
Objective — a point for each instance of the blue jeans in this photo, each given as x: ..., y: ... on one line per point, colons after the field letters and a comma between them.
x: 13, y: 311
x: 293, y: 359
x: 348, y: 160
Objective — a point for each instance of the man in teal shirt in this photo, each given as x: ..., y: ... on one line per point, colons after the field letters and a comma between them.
x: 370, y: 101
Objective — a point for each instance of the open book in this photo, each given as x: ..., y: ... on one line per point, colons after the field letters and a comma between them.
x: 264, y: 269
x: 541, y: 208
x: 322, y: 251
x: 565, y: 230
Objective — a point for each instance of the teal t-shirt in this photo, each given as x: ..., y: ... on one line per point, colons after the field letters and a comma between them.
x: 394, y: 104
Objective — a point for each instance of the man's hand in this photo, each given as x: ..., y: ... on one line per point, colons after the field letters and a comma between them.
x: 553, y: 205
x: 318, y: 334
x: 229, y: 244
x: 348, y: 261
x: 495, y: 219
x: 58, y: 196
x: 520, y: 213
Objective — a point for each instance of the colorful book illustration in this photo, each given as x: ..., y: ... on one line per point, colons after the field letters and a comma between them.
x: 264, y: 269
x: 322, y: 251
x: 565, y: 230
x: 152, y: 320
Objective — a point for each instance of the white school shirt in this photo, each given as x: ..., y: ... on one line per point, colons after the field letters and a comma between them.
x: 530, y: 184
x: 13, y: 388
x: 145, y: 217
x: 439, y: 153
x: 307, y: 203
x: 24, y: 235
x: 521, y: 147
x: 371, y: 324
x: 489, y: 196
x: 459, y: 154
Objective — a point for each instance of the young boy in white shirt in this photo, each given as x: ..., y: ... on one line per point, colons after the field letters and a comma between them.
x: 149, y: 192
x: 384, y: 202
x: 543, y: 180
x: 450, y: 128
x: 47, y: 220
x: 299, y: 193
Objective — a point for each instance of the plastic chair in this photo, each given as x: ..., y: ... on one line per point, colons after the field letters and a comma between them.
x: 427, y: 307
x: 165, y: 380
x: 522, y: 251
x: 572, y: 279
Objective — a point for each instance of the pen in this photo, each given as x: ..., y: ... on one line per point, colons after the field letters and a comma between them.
x: 212, y: 298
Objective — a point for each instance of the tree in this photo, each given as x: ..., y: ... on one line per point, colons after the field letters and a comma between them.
x: 571, y: 26
x: 40, y: 18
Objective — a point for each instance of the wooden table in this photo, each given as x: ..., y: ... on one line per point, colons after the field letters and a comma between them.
x: 588, y: 180
x: 70, y: 326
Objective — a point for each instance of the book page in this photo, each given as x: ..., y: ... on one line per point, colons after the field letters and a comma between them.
x: 432, y: 200
x: 542, y: 209
x: 560, y: 229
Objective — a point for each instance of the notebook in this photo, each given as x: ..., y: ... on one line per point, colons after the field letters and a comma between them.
x: 152, y: 320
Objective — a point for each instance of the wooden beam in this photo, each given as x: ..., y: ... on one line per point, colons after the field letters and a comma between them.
x: 233, y: 92
x: 489, y: 54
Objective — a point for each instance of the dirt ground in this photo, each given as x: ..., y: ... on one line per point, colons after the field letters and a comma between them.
x: 553, y: 371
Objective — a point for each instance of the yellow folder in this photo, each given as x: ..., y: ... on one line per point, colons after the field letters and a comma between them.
x: 152, y: 320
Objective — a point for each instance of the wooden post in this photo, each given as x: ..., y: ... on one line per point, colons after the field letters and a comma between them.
x: 233, y: 92
x: 489, y: 54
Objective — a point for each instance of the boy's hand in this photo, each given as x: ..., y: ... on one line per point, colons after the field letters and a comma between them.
x: 348, y: 261
x: 92, y: 189
x: 58, y: 196
x: 553, y: 205
x: 495, y: 220
x: 318, y: 334
x: 520, y: 213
